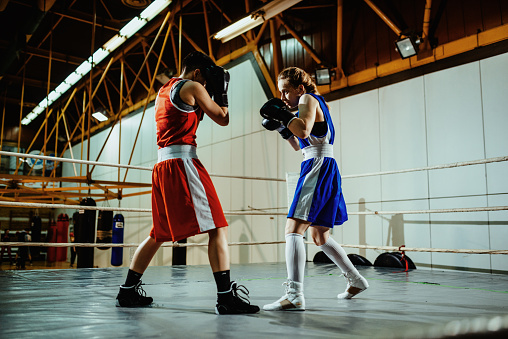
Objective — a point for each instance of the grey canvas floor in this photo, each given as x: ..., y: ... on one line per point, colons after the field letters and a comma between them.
x: 421, y: 303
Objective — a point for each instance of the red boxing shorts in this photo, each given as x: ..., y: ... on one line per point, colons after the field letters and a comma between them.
x: 184, y: 200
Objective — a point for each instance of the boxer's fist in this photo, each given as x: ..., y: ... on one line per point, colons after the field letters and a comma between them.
x: 273, y: 125
x: 275, y: 109
x: 217, y: 82
x: 270, y: 124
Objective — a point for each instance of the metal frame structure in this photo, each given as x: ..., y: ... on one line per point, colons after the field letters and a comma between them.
x: 145, y: 76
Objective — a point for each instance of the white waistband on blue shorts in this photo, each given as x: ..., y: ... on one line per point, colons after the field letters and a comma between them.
x: 317, y: 151
x: 176, y: 152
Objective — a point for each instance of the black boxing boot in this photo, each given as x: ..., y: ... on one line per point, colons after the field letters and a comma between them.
x: 132, y: 296
x: 230, y: 302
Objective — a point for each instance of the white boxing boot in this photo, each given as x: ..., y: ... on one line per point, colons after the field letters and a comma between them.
x: 293, y: 300
x: 355, y: 284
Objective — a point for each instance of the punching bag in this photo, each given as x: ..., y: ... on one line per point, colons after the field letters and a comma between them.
x: 86, y: 234
x: 52, y: 238
x: 35, y: 230
x: 117, y: 238
x: 62, y: 230
x: 104, y: 228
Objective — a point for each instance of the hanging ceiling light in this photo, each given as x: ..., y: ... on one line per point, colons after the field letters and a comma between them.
x: 254, y: 19
x: 125, y: 33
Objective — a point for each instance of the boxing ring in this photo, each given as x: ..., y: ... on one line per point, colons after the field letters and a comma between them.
x: 421, y: 303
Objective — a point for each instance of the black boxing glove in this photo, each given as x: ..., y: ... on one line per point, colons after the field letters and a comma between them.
x: 276, y: 109
x: 270, y: 124
x: 273, y: 125
x: 217, y: 82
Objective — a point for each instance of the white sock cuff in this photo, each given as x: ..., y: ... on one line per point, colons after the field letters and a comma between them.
x: 293, y: 235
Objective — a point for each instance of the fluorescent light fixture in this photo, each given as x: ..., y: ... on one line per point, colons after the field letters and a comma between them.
x: 62, y: 88
x: 407, y: 47
x: 100, y: 116
x: 72, y: 78
x: 132, y: 27
x: 53, y: 96
x: 84, y: 68
x: 125, y: 33
x: 37, y: 110
x: 154, y: 9
x: 99, y: 55
x: 239, y: 27
x: 114, y: 42
x: 44, y: 103
x: 254, y: 19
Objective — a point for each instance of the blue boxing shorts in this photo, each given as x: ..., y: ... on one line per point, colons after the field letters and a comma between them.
x: 318, y: 196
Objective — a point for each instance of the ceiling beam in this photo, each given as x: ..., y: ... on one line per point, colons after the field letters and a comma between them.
x: 113, y: 25
x: 16, y: 101
x: 340, y: 23
x: 29, y: 82
x: 55, y: 56
x: 384, y: 17
x: 277, y: 52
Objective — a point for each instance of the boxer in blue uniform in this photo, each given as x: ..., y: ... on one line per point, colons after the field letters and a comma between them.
x: 318, y: 202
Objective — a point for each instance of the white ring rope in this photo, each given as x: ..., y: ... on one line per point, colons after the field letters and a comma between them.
x: 76, y: 207
x: 452, y: 165
x: 143, y: 168
x: 86, y: 162
x: 148, y: 210
x: 456, y: 164
x: 383, y: 248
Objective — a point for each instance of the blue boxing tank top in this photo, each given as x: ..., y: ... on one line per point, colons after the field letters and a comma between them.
x: 329, y: 136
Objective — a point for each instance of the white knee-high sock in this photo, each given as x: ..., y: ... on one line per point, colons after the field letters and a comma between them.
x: 337, y: 254
x: 295, y: 256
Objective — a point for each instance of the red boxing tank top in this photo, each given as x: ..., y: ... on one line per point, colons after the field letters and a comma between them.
x: 175, y: 125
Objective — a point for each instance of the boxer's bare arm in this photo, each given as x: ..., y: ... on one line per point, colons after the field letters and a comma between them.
x: 193, y: 93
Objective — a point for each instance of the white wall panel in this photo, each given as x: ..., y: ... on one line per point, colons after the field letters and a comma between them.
x: 359, y: 145
x: 246, y: 96
x: 494, y: 75
x: 204, y: 132
x: 460, y: 231
x: 148, y: 138
x: 454, y: 115
x: 498, y: 221
x: 359, y: 137
x: 460, y: 181
x: 403, y: 139
x: 496, y: 177
x: 402, y: 122
x: 455, y: 132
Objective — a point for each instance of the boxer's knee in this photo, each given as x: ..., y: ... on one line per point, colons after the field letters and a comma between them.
x: 319, y: 234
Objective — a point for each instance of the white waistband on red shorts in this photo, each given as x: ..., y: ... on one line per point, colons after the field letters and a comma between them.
x: 317, y: 151
x: 176, y: 152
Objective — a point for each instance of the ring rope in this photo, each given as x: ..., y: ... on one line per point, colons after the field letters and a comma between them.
x: 148, y: 210
x: 86, y: 162
x: 452, y: 165
x: 383, y: 248
x: 143, y: 168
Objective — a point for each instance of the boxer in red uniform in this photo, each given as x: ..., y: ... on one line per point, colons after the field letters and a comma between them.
x: 184, y: 201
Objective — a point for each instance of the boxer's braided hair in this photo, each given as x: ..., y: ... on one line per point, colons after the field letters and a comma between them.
x: 296, y: 77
